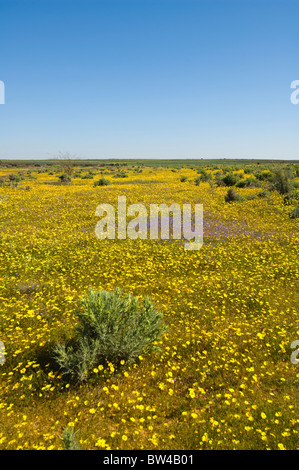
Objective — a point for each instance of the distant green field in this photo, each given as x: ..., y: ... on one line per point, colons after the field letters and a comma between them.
x: 145, y: 162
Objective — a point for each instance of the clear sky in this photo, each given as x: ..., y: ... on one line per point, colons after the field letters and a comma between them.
x: 149, y: 78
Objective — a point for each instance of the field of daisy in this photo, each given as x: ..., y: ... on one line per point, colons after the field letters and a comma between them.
x: 221, y: 376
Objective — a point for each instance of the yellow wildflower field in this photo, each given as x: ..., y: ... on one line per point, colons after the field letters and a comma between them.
x: 222, y: 377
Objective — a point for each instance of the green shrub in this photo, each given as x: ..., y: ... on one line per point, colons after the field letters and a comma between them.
x: 121, y: 174
x: 102, y: 182
x: 219, y: 182
x: 13, y: 177
x: 204, y: 175
x: 263, y: 175
x: 295, y: 213
x: 281, y: 182
x: 264, y: 194
x: 242, y: 183
x: 65, y: 178
x: 69, y: 439
x: 230, y: 179
x: 183, y: 179
x: 290, y: 198
x: 88, y: 176
x: 250, y: 182
x: 112, y: 328
x: 232, y: 196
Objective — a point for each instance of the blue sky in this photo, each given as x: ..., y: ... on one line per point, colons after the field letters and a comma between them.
x: 149, y: 78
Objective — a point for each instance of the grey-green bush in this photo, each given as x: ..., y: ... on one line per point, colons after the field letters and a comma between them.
x: 69, y: 439
x: 102, y: 182
x: 232, y: 196
x: 65, y: 178
x: 295, y: 213
x: 230, y: 179
x: 281, y: 182
x: 111, y: 328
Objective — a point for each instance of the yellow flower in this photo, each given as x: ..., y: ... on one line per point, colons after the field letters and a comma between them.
x: 100, y: 443
x: 92, y: 410
x: 281, y: 446
x: 124, y: 437
x: 263, y: 415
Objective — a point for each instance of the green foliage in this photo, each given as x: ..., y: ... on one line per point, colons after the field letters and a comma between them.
x: 112, y: 328
x: 69, y: 439
x: 183, y: 179
x: 263, y: 175
x: 102, y: 182
x: 281, y: 181
x: 232, y: 196
x: 291, y: 198
x: 230, y: 179
x: 65, y: 178
x: 264, y: 194
x: 295, y: 213
x: 204, y: 175
x: 88, y: 176
x: 121, y: 174
x: 250, y: 182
